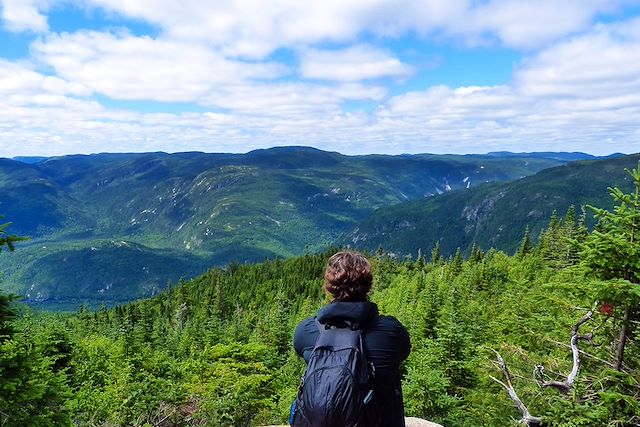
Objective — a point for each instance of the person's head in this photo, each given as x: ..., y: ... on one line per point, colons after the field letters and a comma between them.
x: 348, y: 276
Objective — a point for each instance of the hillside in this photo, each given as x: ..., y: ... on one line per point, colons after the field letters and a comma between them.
x: 216, y: 350
x: 196, y: 210
x: 494, y: 214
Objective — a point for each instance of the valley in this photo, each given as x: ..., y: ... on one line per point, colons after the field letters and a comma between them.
x: 108, y: 228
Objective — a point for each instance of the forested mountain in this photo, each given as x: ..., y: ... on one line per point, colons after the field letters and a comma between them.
x: 216, y: 350
x: 116, y: 226
x: 565, y: 156
x: 493, y: 214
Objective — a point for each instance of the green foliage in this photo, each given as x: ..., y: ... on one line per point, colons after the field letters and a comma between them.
x: 558, y: 244
x: 7, y: 315
x: 31, y: 392
x: 215, y: 350
x: 8, y: 240
x: 231, y: 384
x: 426, y: 385
x: 612, y: 251
x: 33, y: 385
x: 611, y: 254
x: 525, y: 244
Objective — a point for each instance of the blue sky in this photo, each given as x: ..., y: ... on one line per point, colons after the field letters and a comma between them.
x: 354, y: 76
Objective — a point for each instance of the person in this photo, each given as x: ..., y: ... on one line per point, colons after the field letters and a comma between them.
x: 348, y: 280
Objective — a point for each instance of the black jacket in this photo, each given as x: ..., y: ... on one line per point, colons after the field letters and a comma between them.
x: 386, y: 344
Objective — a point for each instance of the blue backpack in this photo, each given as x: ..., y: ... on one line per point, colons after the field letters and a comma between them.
x: 337, y: 387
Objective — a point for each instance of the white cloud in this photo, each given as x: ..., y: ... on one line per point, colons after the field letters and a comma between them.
x: 255, y: 28
x: 582, y: 92
x: 530, y: 24
x: 24, y: 15
x: 21, y: 79
x: 359, y: 62
x: 251, y: 28
x: 579, y: 93
x: 603, y: 63
x: 291, y: 101
x: 123, y: 66
x: 56, y: 118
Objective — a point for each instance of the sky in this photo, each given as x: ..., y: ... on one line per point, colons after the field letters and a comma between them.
x: 353, y: 76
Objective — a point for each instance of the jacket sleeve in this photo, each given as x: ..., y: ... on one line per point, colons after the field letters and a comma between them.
x: 387, y: 344
x: 400, y: 338
x: 405, y: 341
x: 305, y: 337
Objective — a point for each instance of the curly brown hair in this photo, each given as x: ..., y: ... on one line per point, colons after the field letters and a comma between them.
x: 348, y: 276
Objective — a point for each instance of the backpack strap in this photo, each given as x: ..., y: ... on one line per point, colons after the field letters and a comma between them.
x: 354, y: 326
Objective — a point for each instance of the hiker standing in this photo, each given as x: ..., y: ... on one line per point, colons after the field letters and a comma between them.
x: 353, y: 355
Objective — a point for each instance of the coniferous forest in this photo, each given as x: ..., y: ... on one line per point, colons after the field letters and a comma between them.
x: 554, y: 323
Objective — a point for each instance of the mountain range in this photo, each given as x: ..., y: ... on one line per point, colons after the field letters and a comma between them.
x: 111, y: 227
x: 494, y: 214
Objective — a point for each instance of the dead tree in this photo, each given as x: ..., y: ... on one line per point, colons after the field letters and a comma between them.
x: 564, y: 386
x: 527, y: 419
x: 567, y: 385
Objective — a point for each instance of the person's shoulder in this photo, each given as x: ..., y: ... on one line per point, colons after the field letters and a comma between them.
x: 308, y: 324
x: 389, y: 321
x: 388, y: 332
x: 305, y: 336
x: 388, y: 324
x: 310, y: 319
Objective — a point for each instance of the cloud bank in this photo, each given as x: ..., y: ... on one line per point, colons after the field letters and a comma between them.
x: 235, y: 76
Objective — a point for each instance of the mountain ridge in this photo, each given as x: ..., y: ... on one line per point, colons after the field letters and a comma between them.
x: 493, y: 214
x: 212, y: 208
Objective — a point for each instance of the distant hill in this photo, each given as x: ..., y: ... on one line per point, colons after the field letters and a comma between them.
x: 194, y: 210
x: 494, y: 214
x: 568, y: 157
x: 30, y: 159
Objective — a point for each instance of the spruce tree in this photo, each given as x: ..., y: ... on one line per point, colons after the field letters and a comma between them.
x: 525, y: 245
x: 8, y: 240
x: 7, y: 312
x: 456, y: 264
x: 476, y: 254
x: 436, y: 254
x: 612, y: 253
x: 454, y: 340
x: 31, y: 392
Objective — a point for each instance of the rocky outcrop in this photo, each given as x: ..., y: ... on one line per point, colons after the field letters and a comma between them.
x: 419, y: 422
x: 409, y: 422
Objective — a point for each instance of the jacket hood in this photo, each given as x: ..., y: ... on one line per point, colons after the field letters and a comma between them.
x: 337, y: 312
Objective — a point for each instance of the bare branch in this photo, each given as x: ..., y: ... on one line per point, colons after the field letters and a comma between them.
x: 567, y: 385
x: 584, y: 353
x: 527, y: 419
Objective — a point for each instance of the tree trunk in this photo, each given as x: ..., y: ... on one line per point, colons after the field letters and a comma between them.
x: 622, y: 340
